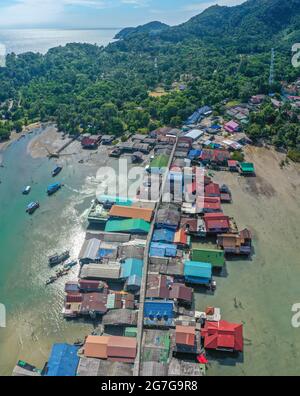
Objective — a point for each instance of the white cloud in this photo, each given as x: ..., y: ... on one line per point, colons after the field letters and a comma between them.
x: 63, y: 12
x: 41, y: 11
x: 198, y: 7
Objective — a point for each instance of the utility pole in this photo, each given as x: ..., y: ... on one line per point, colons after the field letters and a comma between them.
x: 272, y: 68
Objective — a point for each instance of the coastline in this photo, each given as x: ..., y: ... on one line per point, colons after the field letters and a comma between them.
x: 261, y: 292
x: 16, y: 136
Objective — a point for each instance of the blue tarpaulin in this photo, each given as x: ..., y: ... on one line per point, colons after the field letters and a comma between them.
x: 194, y: 154
x: 104, y: 252
x: 63, y: 361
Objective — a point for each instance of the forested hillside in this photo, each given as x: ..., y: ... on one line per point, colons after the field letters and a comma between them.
x: 223, y: 53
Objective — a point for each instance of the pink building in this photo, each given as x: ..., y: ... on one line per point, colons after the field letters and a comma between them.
x: 232, y: 127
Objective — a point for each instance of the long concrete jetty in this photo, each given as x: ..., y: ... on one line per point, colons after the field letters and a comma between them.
x: 140, y: 325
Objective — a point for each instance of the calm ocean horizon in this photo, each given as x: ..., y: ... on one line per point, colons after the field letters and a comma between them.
x: 41, y: 40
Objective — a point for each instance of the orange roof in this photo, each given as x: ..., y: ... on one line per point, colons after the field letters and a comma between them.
x: 181, y: 237
x: 96, y: 347
x: 131, y: 212
x: 122, y: 347
x: 185, y: 335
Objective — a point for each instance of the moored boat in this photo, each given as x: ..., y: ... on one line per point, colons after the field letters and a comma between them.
x: 53, y: 188
x: 51, y: 280
x: 26, y: 190
x: 70, y: 264
x: 56, y: 171
x: 59, y: 258
x: 32, y: 207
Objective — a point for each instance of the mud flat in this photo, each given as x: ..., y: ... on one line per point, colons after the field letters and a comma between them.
x: 48, y: 141
x: 261, y: 292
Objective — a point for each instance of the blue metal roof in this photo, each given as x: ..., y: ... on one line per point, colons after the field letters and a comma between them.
x: 195, y: 117
x: 162, y: 250
x: 216, y: 127
x: 197, y: 269
x: 63, y: 361
x: 158, y: 309
x: 163, y: 235
x: 132, y: 267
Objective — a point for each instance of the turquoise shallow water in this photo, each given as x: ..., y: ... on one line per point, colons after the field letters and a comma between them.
x: 34, y: 321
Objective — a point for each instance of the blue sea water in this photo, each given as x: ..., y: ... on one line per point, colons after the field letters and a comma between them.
x: 41, y: 40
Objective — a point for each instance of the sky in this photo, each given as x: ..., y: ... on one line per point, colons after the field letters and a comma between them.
x: 100, y: 13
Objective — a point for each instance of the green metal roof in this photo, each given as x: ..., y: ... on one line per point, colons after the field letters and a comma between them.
x: 131, y: 332
x: 160, y: 161
x: 247, y: 167
x: 130, y: 225
x: 215, y: 257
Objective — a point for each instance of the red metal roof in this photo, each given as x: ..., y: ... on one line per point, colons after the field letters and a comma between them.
x: 232, y: 163
x: 94, y: 302
x: 212, y: 203
x: 74, y: 298
x: 157, y: 286
x: 192, y: 223
x: 216, y: 220
x: 223, y: 335
x: 214, y: 155
x: 181, y: 292
x: 212, y: 189
x: 90, y: 141
x: 92, y: 284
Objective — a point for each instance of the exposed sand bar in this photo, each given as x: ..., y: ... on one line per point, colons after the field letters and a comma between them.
x: 261, y: 292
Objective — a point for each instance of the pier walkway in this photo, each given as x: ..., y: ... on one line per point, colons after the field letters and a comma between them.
x: 140, y: 325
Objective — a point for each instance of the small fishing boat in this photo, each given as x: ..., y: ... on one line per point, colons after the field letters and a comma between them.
x: 56, y: 171
x: 62, y: 272
x: 51, y: 280
x: 70, y: 265
x: 59, y: 258
x: 26, y: 190
x: 32, y: 207
x: 53, y: 188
